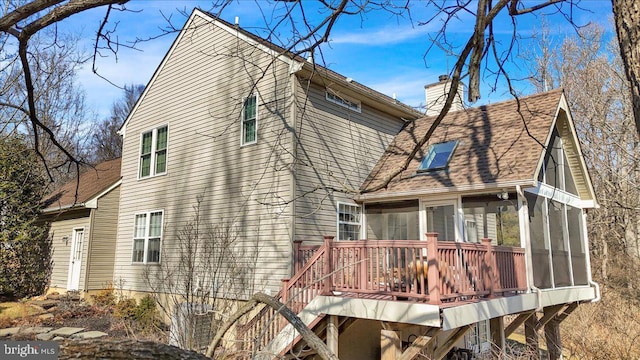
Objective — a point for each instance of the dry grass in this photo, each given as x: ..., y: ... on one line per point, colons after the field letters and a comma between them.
x: 609, y: 329
x: 16, y: 310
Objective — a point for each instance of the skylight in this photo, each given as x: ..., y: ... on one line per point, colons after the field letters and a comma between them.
x: 438, y: 156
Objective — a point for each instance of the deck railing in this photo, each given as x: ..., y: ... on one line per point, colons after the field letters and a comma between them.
x: 429, y: 271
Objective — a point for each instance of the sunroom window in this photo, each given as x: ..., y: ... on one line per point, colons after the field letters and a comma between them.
x: 438, y: 156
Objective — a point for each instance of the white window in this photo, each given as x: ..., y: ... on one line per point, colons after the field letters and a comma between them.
x: 349, y: 222
x: 153, y: 152
x: 147, y: 235
x: 250, y: 120
x: 344, y: 101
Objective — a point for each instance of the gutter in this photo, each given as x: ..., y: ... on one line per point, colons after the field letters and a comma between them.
x: 398, y: 195
x: 404, y: 111
x: 62, y: 208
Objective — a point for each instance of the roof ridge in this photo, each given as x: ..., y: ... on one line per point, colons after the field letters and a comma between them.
x: 296, y: 57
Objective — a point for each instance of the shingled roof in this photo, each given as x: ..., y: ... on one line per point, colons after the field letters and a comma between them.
x: 93, y: 182
x: 496, y: 145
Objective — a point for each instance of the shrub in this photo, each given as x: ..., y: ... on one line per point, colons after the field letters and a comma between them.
x: 126, y: 309
x: 105, y: 297
x: 145, y: 312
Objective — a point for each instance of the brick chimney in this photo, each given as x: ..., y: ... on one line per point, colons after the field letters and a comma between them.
x: 436, y: 95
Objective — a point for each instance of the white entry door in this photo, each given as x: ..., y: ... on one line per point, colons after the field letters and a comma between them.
x: 75, y: 262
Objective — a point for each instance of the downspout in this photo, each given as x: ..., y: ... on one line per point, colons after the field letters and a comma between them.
x: 92, y: 217
x: 294, y: 154
x: 525, y: 235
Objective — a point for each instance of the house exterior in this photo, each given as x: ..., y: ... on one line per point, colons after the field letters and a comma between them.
x: 235, y: 133
x: 83, y: 214
x: 270, y: 145
x: 484, y: 230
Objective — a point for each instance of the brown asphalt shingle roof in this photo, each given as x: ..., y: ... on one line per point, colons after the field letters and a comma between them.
x: 493, y: 146
x: 92, y: 182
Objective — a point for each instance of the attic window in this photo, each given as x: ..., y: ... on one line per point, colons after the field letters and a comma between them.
x: 438, y: 156
x: 351, y: 104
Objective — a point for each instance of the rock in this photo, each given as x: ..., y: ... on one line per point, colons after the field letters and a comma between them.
x: 44, y: 337
x: 50, y: 310
x: 89, y: 335
x: 67, y: 331
x: 45, y: 304
x: 35, y: 330
x: 45, y: 316
x: 53, y: 296
x: 9, y: 331
x: 58, y: 338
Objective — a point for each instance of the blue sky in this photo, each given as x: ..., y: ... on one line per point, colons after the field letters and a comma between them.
x: 377, y: 49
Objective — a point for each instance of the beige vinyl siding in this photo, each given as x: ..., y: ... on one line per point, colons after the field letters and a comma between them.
x: 573, y: 155
x: 61, y: 226
x: 337, y: 149
x: 199, y: 94
x: 103, y: 241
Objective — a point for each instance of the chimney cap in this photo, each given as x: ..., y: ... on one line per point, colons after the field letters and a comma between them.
x: 444, y: 77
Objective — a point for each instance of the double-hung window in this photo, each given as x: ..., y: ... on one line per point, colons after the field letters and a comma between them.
x: 349, y: 222
x: 250, y: 120
x: 153, y: 152
x: 147, y: 236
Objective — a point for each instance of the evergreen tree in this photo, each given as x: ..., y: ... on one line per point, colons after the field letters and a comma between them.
x: 25, y: 245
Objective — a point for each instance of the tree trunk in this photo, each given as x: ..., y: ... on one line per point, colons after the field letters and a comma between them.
x: 309, y: 336
x: 119, y: 349
x: 627, y: 18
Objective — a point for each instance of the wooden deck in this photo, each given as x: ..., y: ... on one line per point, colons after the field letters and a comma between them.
x: 443, y: 273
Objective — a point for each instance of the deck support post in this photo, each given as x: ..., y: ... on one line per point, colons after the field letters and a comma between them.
x: 433, y: 272
x: 327, y: 266
x: 515, y: 323
x: 552, y: 337
x: 297, y: 262
x: 333, y: 333
x: 531, y: 334
x: 496, y: 326
x: 390, y: 344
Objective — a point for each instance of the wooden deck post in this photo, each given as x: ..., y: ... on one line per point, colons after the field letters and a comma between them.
x: 496, y: 326
x: 433, y: 272
x: 328, y: 266
x: 297, y: 262
x: 489, y: 265
x: 285, y: 299
x: 531, y: 334
x: 552, y: 337
x: 390, y: 344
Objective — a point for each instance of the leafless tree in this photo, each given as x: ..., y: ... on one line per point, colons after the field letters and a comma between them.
x: 206, y: 269
x: 60, y: 104
x: 105, y: 140
x: 588, y: 68
x: 23, y: 20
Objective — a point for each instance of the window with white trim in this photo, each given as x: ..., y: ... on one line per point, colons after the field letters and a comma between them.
x: 349, y: 223
x: 250, y: 120
x: 147, y: 236
x: 153, y: 152
x: 344, y: 101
